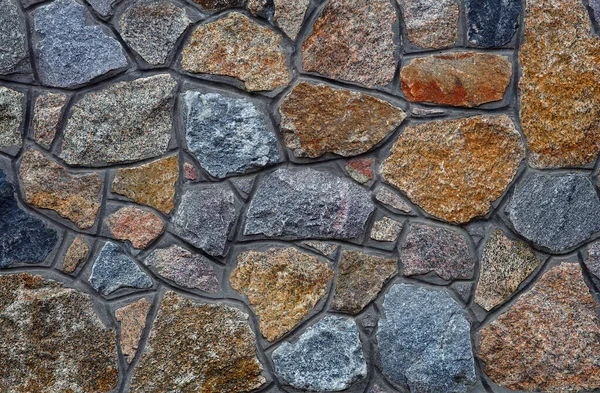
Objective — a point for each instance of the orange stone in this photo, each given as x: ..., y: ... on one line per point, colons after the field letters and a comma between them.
x: 139, y: 226
x: 133, y: 320
x: 76, y: 254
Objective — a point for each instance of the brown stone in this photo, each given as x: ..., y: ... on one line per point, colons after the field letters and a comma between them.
x: 76, y: 254
x: 549, y: 339
x: 459, y: 79
x: 431, y: 23
x: 318, y: 119
x: 139, y: 226
x: 289, y: 15
x: 133, y: 320
x: 258, y: 7
x: 386, y: 230
x: 282, y: 285
x: 46, y: 115
x: 455, y: 169
x: 360, y: 169
x: 219, y: 5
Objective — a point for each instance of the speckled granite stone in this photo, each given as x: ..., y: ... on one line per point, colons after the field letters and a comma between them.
x: 132, y: 319
x: 140, y: 227
x: 11, y: 117
x: 14, y: 56
x: 103, y: 7
x: 386, y: 230
x: 492, y: 23
x: 46, y: 115
x: 218, y: 5
x: 76, y: 254
x: 289, y: 15
x: 431, y: 23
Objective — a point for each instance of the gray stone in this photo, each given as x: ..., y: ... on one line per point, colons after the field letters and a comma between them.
x: 556, y: 212
x: 11, y: 117
x: 595, y: 5
x: 492, y: 22
x: 305, y: 203
x: 424, y: 341
x: 103, y: 7
x: 327, y: 357
x: 227, y: 135
x: 14, y: 53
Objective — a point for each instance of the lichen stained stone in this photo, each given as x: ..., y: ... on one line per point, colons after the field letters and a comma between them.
x: 11, y: 117
x: 138, y: 226
x: 431, y: 24
x: 132, y: 319
x: 14, y: 57
x: 492, y: 23
x: 46, y: 115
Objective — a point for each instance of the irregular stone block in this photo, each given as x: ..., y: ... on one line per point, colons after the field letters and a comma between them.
x: 132, y: 319
x: 219, y: 5
x: 326, y: 249
x: 289, y: 15
x: 190, y: 173
x: 492, y: 23
x: 14, y: 57
x: 360, y: 169
x: 386, y: 230
x: 431, y: 23
x: 46, y: 115
x: 76, y: 254
x: 593, y: 260
x: 140, y: 227
x: 11, y: 117
x: 391, y: 200
x: 103, y: 7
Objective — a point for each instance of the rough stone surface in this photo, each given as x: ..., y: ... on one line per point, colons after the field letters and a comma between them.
x: 327, y: 357
x: 595, y: 5
x: 427, y: 112
x: 289, y: 15
x: 52, y: 339
x: 548, y: 340
x: 282, y: 286
x: 127, y: 121
x: 11, y: 117
x: 258, y: 7
x: 190, y: 173
x: 386, y: 230
x: 424, y: 341
x: 360, y: 169
x: 133, y: 320
x: 103, y: 7
x: 326, y: 249
x: 14, y: 57
x: 306, y: 203
x: 198, y: 347
x: 592, y: 262
x: 492, y: 23
x: 318, y: 119
x: 455, y: 169
x: 46, y: 115
x: 138, y: 226
x: 219, y: 5
x: 228, y: 135
x: 48, y: 185
x: 238, y: 47
x: 76, y: 254
x: 392, y: 200
x: 431, y: 23
x: 458, y: 79
x: 555, y: 212
x: 353, y: 40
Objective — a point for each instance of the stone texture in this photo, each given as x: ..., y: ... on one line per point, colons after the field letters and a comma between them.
x: 72, y: 52
x: 151, y: 184
x: 219, y: 5
x: 14, y: 57
x: 76, y: 254
x: 243, y: 184
x: 318, y: 119
x: 427, y: 112
x: 353, y: 40
x: 327, y: 357
x: 548, y: 340
x: 360, y: 169
x: 127, y: 121
x: 103, y: 7
x: 595, y: 5
x: 289, y: 15
x: 238, y: 47
x: 52, y: 339
x: 132, y: 319
x: 190, y: 173
x: 282, y: 285
x: 466, y: 79
x: 48, y: 185
x: 431, y: 23
x: 592, y: 262
x: 360, y: 279
x: 455, y: 169
x: 424, y: 341
x: 556, y: 212
x: 11, y: 117
x: 504, y: 265
x: 258, y: 7
x: 198, y: 347
x: 492, y: 23
x: 46, y: 115
x: 138, y: 226
x: 228, y: 135
x: 326, y: 249
x: 392, y: 201
x: 386, y: 230
x: 306, y: 203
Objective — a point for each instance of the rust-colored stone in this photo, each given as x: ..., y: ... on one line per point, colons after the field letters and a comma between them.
x: 139, y: 226
x: 76, y: 254
x: 133, y: 319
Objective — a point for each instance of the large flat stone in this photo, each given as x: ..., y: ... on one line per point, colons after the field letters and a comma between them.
x: 492, y: 23
x: 431, y: 23
x: 14, y: 56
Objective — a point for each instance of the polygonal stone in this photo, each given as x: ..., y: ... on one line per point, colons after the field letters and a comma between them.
x: 386, y: 230
x: 132, y: 319
x: 76, y: 254
x: 14, y: 56
x: 140, y: 227
x: 11, y: 117
x: 46, y: 115
x: 492, y: 22
x: 289, y: 15
x: 360, y: 169
x: 103, y: 7
x: 392, y: 200
x: 431, y: 23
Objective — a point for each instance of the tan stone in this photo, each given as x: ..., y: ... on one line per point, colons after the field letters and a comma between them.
x: 289, y: 15
x: 386, y: 230
x: 76, y: 254
x: 46, y: 115
x: 139, y: 226
x: 133, y: 320
x: 431, y: 23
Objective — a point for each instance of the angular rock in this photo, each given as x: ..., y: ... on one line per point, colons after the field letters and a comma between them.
x: 427, y: 112
x: 228, y: 135
x: 140, y: 227
x: 198, y: 347
x: 219, y: 5
x: 318, y: 119
x: 595, y: 5
x: 103, y: 7
x: 127, y: 121
x: 424, y: 341
x: 326, y: 249
x: 48, y: 185
x: 492, y: 23
x: 46, y: 115
x: 353, y: 40
x: 132, y: 319
x: 327, y: 357
x: 386, y: 230
x: 592, y: 263
x: 52, y: 339
x: 243, y: 184
x: 306, y: 203
x: 360, y: 169
x: 289, y: 15
x: 14, y: 57
x: 282, y: 285
x: 238, y: 47
x: 190, y: 173
x: 548, y: 339
x: 76, y: 254
x: 466, y: 79
x: 455, y: 169
x: 556, y: 212
x: 11, y: 117
x: 431, y: 23
x: 258, y: 7
x: 391, y: 200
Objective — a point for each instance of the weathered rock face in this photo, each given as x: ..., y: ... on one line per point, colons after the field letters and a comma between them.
x: 289, y: 15
x: 386, y: 230
x: 133, y: 320
x: 459, y: 79
x: 47, y: 112
x: 219, y: 5
x: 392, y: 201
x: 282, y: 286
x: 360, y: 169
x: 139, y: 226
x: 103, y: 7
x: 593, y: 260
x: 548, y: 339
x: 198, y: 347
x: 431, y: 23
x: 14, y: 57
x: 76, y: 254
x: 127, y: 121
x: 492, y: 22
x: 318, y: 119
x: 424, y: 341
x: 455, y: 169
x: 52, y: 340
x: 11, y: 117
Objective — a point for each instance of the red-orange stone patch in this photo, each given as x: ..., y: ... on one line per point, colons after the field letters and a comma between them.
x: 138, y: 226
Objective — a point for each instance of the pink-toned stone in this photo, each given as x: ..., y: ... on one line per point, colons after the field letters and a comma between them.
x: 46, y: 115
x: 140, y: 227
x: 361, y: 169
x: 132, y: 319
x: 190, y: 172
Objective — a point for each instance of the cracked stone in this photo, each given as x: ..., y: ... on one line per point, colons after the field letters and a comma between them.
x: 14, y: 56
x: 492, y: 23
x: 46, y: 115
x: 431, y: 23
x: 11, y: 117
x: 386, y: 230
x: 138, y: 226
x: 289, y: 15
x: 132, y: 319
x: 76, y: 254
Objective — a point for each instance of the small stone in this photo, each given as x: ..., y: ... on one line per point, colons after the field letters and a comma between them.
x: 190, y: 173
x: 327, y: 357
x: 238, y: 47
x: 282, y: 285
x: 593, y: 260
x: 305, y: 204
x: 360, y: 279
x: 463, y: 289
x: 390, y: 199
x: 11, y: 116
x: 595, y: 5
x: 113, y: 270
x: 14, y: 57
x: 139, y: 226
x: 198, y: 347
x: 132, y: 319
x: 548, y: 340
x: 46, y: 115
x: 48, y: 185
x: 504, y: 266
x: 456, y: 169
x: 556, y: 212
x: 426, y: 112
x: 492, y: 23
x: 466, y: 79
x: 431, y: 23
x: 424, y: 341
x: 360, y: 169
x: 326, y: 249
x: 289, y: 15
x: 76, y: 254
x: 353, y: 40
x: 103, y: 7
x: 386, y: 230
x: 243, y: 184
x: 219, y: 5
x: 184, y: 268
x: 228, y: 135
x: 258, y: 7
x: 127, y: 121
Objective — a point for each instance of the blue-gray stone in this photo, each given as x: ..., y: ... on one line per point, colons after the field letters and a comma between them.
x: 556, y: 212
x: 327, y: 357
x: 72, y: 53
x: 228, y: 135
x: 113, y: 269
x: 492, y: 22
x: 424, y: 341
x: 103, y: 7
x: 595, y: 5
x: 14, y: 52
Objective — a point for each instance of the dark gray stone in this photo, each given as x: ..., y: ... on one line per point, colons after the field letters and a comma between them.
x: 14, y: 53
x: 305, y: 203
x: 228, y: 135
x: 492, y: 22
x: 327, y: 357
x: 424, y: 341
x: 103, y: 7
x: 556, y: 212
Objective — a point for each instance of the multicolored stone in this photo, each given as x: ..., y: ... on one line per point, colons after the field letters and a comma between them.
x: 431, y: 23
x: 46, y: 115
x: 76, y: 254
x: 140, y: 227
x: 132, y: 319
